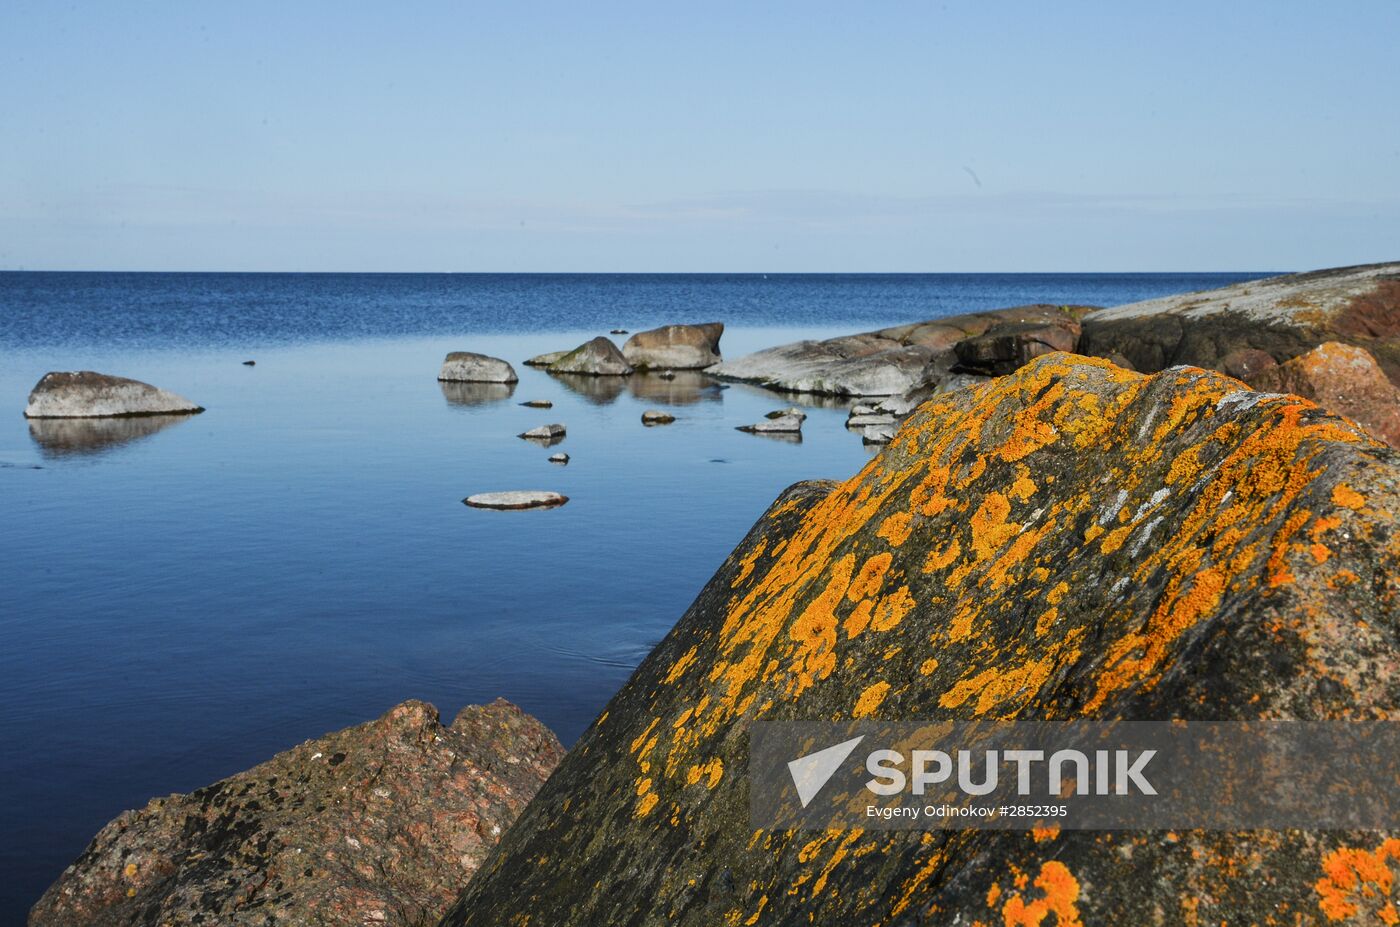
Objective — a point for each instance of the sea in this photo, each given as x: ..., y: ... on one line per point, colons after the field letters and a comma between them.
x: 182, y: 598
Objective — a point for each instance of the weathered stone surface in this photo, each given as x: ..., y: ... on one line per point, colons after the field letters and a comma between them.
x: 882, y: 363
x: 516, y: 499
x: 87, y: 394
x: 1074, y: 540
x: 1281, y: 316
x: 596, y: 358
x: 545, y: 432
x: 1006, y: 347
x: 783, y: 424
x: 657, y: 417
x: 379, y: 823
x: 1343, y: 380
x: 675, y: 347
x: 546, y: 359
x: 1243, y: 363
x: 466, y: 367
x: 789, y: 412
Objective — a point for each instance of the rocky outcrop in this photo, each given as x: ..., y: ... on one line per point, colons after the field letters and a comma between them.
x: 375, y: 824
x: 596, y: 358
x: 1281, y: 317
x: 466, y: 367
x: 1344, y: 380
x: 517, y: 498
x: 890, y: 361
x: 1074, y: 540
x: 675, y: 347
x: 86, y: 394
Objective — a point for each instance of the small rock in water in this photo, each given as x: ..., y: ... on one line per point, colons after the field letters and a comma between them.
x: 544, y: 433
x: 792, y: 411
x: 878, y: 434
x: 538, y: 404
x: 596, y: 358
x: 250, y: 363
x: 667, y: 374
x: 783, y: 424
x: 863, y: 408
x: 469, y: 367
x: 871, y: 418
x: 657, y: 417
x: 560, y: 458
x: 516, y: 499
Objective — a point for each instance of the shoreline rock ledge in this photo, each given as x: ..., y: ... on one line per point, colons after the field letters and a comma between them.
x: 375, y: 824
x: 88, y: 394
x: 1071, y: 541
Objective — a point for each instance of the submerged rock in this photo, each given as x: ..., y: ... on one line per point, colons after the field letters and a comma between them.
x: 517, y: 499
x: 657, y: 417
x: 1344, y: 380
x: 1071, y: 541
x: 466, y: 367
x: 881, y: 363
x: 1281, y: 317
x: 87, y: 394
x: 378, y: 823
x: 596, y: 358
x: 783, y: 424
x: 675, y: 347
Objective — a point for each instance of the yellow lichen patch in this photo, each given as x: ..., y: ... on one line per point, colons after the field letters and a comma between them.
x: 746, y: 564
x: 896, y: 528
x: 870, y: 700
x: 928, y: 666
x: 1355, y: 878
x: 891, y: 609
x: 679, y: 667
x: 1347, y: 498
x: 940, y: 557
x: 1041, y: 833
x: 990, y: 529
x: 867, y: 581
x: 995, y: 686
x: 1060, y: 897
x: 709, y: 772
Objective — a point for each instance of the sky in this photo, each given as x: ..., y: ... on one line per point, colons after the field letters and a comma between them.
x: 708, y: 137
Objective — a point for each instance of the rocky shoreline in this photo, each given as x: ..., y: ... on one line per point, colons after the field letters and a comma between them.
x: 1049, y: 533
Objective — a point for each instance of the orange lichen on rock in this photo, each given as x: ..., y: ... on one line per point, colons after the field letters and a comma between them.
x: 1059, y: 897
x: 1354, y: 880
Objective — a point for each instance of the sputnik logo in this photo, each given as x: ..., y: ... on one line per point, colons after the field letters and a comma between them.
x: 811, y: 772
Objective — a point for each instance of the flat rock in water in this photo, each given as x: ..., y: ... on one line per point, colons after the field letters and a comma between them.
x: 516, y: 499
x: 559, y: 458
x: 1071, y: 541
x: 1344, y: 380
x: 675, y: 347
x: 378, y: 823
x: 881, y: 363
x: 789, y: 412
x: 466, y: 367
x: 544, y: 433
x: 544, y: 360
x: 596, y: 358
x: 87, y: 394
x: 783, y: 424
x: 1282, y: 317
x: 538, y: 404
x: 657, y: 417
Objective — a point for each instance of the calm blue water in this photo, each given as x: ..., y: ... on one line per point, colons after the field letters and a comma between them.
x: 179, y: 602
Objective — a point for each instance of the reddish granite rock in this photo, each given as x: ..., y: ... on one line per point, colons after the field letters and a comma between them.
x: 675, y: 347
x: 1342, y: 379
x: 376, y: 824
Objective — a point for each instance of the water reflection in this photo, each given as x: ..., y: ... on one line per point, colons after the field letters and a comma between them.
x: 784, y: 437
x: 600, y: 391
x: 810, y: 400
x: 64, y: 437
x: 460, y: 393
x: 681, y: 388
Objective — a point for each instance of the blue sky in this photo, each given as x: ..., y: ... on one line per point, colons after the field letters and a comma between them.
x: 814, y: 136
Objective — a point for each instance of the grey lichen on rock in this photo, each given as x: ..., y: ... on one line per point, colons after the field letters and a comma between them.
x: 379, y: 823
x: 88, y: 394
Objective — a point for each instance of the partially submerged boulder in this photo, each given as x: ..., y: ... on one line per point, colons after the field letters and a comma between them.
x: 881, y: 363
x: 379, y: 823
x: 87, y: 394
x: 1344, y: 380
x: 1281, y: 317
x: 781, y: 424
x: 545, y: 359
x: 675, y: 347
x: 596, y: 358
x: 552, y: 432
x: 1071, y: 541
x: 466, y: 367
x: 657, y: 417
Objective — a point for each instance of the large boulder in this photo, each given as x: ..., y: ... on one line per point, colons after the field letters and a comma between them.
x: 466, y: 367
x: 596, y: 358
x: 1071, y: 541
x: 1007, y: 347
x: 1281, y: 316
x: 675, y: 347
x: 375, y: 824
x: 1342, y: 379
x: 87, y: 394
x: 888, y: 362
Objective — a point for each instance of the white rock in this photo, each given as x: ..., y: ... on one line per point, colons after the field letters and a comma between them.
x: 544, y: 432
x: 86, y: 394
x: 783, y: 424
x: 516, y: 499
x: 464, y: 366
